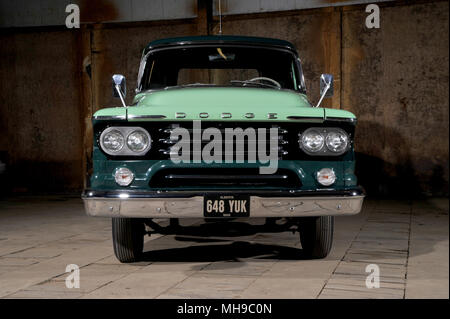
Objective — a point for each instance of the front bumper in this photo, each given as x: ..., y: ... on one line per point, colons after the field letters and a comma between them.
x: 189, y: 204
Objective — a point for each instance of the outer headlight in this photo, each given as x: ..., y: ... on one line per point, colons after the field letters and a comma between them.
x: 337, y: 141
x: 312, y: 141
x: 138, y: 141
x: 112, y: 141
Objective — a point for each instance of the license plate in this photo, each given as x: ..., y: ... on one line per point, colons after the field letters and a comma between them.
x: 226, y: 206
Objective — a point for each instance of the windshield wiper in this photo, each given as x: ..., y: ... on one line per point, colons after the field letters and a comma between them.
x: 198, y: 84
x: 244, y: 83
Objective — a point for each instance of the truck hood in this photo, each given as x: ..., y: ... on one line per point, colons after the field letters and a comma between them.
x: 218, y: 101
x: 224, y: 104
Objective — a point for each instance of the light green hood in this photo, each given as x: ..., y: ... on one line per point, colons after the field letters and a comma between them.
x: 162, y: 105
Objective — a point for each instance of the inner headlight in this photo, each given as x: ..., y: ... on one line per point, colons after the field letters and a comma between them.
x: 337, y: 141
x: 312, y: 140
x: 112, y: 141
x: 138, y: 141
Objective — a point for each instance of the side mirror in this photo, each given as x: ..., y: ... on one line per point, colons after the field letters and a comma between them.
x: 119, y: 87
x: 326, y: 87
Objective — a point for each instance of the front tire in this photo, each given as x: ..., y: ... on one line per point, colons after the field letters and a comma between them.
x: 128, y: 239
x: 316, y: 236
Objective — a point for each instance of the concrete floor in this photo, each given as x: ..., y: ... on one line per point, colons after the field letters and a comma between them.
x: 40, y: 236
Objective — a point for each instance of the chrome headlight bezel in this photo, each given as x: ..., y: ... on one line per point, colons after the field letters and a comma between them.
x: 102, y: 141
x: 317, y: 134
x: 125, y: 150
x: 343, y: 147
x: 146, y: 147
x: 325, y: 149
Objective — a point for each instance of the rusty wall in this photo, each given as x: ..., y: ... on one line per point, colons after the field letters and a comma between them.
x: 395, y: 79
x: 40, y: 111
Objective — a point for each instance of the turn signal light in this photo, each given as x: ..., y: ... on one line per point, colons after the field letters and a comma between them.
x: 326, y: 176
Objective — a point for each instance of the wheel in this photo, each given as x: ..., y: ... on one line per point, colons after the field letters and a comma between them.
x: 316, y: 236
x: 128, y: 239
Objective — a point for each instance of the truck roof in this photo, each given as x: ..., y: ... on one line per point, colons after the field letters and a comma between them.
x: 219, y: 39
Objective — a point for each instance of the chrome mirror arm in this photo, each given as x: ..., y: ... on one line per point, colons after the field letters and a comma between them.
x: 120, y: 95
x: 323, y: 94
x: 119, y: 87
x: 326, y: 87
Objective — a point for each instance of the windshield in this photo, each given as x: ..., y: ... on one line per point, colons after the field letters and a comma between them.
x: 219, y: 66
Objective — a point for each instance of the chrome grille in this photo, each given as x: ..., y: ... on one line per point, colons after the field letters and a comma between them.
x: 223, y: 177
x: 166, y: 141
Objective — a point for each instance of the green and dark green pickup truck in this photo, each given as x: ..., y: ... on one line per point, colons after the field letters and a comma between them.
x: 221, y: 128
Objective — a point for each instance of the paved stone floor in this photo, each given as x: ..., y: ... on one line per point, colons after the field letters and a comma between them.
x: 40, y: 236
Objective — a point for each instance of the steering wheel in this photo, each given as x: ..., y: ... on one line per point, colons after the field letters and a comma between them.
x: 263, y: 78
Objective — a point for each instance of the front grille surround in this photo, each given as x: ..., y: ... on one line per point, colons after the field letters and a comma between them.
x: 288, y: 137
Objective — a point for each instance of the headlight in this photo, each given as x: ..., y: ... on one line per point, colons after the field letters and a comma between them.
x: 112, y: 141
x: 337, y: 141
x: 312, y: 141
x: 138, y: 141
x: 125, y: 141
x: 324, y: 141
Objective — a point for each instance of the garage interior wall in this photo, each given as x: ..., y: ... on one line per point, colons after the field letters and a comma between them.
x: 395, y: 80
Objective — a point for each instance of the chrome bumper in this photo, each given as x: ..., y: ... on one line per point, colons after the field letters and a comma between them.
x: 190, y: 205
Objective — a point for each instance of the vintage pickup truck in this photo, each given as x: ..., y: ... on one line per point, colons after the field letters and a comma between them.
x: 221, y: 128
